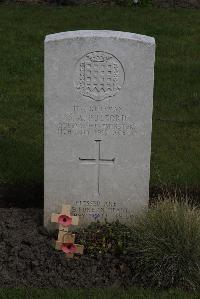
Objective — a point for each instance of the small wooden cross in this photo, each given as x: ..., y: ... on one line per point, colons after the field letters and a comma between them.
x: 66, y: 240
x: 64, y: 219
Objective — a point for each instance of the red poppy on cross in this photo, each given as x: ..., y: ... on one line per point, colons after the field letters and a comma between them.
x: 66, y: 240
x: 64, y: 219
x: 69, y: 247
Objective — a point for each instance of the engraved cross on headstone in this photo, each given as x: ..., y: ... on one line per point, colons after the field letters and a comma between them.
x: 98, y: 161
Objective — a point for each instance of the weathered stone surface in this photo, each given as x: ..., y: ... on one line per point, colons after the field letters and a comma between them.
x: 98, y: 113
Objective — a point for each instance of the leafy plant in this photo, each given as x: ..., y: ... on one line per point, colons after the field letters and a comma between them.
x: 105, y: 238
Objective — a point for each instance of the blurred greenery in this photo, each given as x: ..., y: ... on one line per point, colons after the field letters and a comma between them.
x: 175, y: 139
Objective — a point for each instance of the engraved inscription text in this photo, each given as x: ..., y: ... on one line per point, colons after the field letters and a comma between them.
x: 96, y: 121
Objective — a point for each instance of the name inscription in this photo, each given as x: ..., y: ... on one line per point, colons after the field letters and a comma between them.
x: 96, y: 120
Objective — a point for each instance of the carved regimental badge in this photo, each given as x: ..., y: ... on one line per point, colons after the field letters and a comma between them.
x: 99, y: 75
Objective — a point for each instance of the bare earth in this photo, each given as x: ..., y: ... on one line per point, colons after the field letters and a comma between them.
x: 28, y: 258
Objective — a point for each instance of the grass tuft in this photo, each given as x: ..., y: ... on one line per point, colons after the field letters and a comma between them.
x: 166, y: 247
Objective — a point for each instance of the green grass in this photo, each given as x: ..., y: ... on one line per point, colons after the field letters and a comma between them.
x: 133, y: 293
x: 176, y: 121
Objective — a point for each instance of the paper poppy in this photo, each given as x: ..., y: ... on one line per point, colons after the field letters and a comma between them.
x: 68, y: 248
x: 64, y: 220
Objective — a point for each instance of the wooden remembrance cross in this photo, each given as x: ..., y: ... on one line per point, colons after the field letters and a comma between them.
x: 65, y: 241
x: 98, y: 161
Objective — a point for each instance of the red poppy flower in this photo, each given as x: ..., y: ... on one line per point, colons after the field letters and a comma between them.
x: 68, y: 248
x: 64, y: 220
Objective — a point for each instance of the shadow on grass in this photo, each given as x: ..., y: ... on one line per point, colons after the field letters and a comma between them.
x: 32, y: 196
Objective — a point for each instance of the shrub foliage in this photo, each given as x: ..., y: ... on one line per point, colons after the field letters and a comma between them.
x: 104, y: 238
x: 161, y: 247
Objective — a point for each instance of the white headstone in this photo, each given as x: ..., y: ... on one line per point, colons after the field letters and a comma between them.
x: 98, y: 118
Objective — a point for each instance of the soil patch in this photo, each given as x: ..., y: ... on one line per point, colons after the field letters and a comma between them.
x: 28, y: 258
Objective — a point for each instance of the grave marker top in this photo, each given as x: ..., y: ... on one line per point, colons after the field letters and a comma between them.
x: 98, y: 93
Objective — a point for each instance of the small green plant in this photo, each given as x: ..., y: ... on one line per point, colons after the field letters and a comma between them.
x: 105, y: 238
x: 166, y: 246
